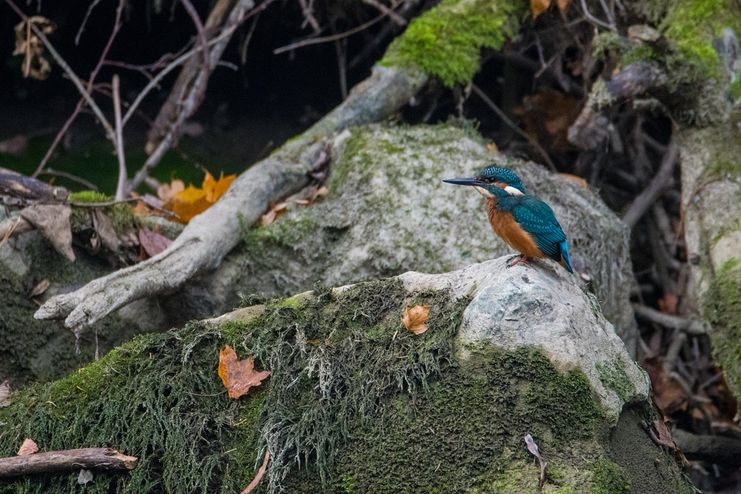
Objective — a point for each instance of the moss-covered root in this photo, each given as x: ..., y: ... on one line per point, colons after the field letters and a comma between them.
x: 445, y: 42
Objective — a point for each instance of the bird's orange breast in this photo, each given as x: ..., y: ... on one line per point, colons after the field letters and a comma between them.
x: 510, y: 231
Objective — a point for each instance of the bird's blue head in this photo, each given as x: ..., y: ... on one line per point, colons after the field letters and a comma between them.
x: 493, y: 181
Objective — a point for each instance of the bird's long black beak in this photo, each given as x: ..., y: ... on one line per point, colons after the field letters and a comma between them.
x: 462, y: 181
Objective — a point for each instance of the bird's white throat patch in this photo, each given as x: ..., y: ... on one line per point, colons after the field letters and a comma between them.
x: 483, y: 191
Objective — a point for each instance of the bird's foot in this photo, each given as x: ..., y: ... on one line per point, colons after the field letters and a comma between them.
x: 519, y: 259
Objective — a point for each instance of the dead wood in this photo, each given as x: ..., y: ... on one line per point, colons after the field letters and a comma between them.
x: 591, y: 127
x: 65, y: 461
x: 26, y: 189
x: 211, y: 235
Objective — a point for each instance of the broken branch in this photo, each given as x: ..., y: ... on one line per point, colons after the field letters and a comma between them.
x: 67, y: 460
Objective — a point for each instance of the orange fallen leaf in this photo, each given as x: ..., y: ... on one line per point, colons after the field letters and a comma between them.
x: 28, y: 447
x: 192, y: 200
x: 273, y: 214
x: 415, y: 318
x: 537, y: 7
x: 237, y: 375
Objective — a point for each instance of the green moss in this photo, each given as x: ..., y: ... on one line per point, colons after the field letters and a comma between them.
x: 613, y: 377
x: 691, y: 26
x: 88, y: 196
x: 723, y: 309
x: 157, y: 398
x: 477, y: 412
x: 445, y: 42
x: 609, y: 478
x: 286, y: 232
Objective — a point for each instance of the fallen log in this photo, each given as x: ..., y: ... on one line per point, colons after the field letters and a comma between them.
x: 65, y: 461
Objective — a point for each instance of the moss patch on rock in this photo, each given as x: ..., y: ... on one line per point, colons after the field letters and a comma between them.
x: 33, y: 350
x: 723, y: 310
x: 445, y: 42
x: 613, y: 377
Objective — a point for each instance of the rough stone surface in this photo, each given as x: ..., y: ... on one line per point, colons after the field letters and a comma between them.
x: 41, y: 350
x: 711, y: 198
x: 389, y: 212
x: 542, y: 307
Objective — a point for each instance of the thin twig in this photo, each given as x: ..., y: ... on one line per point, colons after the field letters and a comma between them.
x: 512, y: 125
x: 326, y: 39
x: 260, y: 474
x: 90, y: 9
x: 386, y: 10
x: 69, y: 176
x: 658, y: 185
x: 68, y: 70
x: 81, y: 102
x: 193, y: 13
x: 122, y: 175
x: 184, y: 58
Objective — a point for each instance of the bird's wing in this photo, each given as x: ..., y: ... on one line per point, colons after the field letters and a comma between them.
x: 537, y: 218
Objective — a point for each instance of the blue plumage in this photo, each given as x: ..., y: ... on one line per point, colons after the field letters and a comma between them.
x: 535, y: 231
x: 537, y: 218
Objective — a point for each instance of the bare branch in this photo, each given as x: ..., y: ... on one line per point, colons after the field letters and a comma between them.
x: 658, y: 185
x: 122, y: 176
x: 66, y: 461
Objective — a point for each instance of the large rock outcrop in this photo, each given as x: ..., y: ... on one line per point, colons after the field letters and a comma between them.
x: 387, y: 212
x: 356, y: 403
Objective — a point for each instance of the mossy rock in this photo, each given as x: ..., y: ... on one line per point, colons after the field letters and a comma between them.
x: 388, y: 212
x: 711, y: 189
x: 32, y: 350
x: 355, y: 403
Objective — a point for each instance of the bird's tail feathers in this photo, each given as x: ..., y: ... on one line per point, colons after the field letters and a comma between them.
x: 565, y: 259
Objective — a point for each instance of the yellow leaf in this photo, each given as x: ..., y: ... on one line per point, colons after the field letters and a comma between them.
x: 415, y: 318
x: 539, y: 6
x: 192, y: 200
x: 237, y: 375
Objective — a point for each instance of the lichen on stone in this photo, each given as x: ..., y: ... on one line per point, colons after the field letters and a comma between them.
x: 613, y: 377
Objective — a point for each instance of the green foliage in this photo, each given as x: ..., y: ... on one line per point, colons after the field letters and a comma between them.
x: 445, y: 42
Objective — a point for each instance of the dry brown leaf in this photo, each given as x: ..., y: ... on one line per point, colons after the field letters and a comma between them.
x: 415, y: 318
x: 192, y: 200
x: 31, y: 47
x: 167, y: 191
x: 492, y: 148
x: 103, y: 225
x: 275, y: 211
x: 152, y: 242
x: 260, y: 474
x: 52, y: 220
x: 4, y: 393
x: 537, y: 7
x: 575, y: 179
x: 28, y: 447
x: 668, y: 394
x: 322, y: 191
x: 237, y: 375
x: 563, y: 5
x: 40, y: 288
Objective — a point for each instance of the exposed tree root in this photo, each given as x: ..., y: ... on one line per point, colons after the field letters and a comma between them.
x: 211, y: 235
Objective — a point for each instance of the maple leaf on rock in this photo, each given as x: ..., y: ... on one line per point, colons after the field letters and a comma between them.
x: 238, y: 376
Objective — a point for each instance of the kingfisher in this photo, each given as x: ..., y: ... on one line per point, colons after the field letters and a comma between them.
x: 523, y: 221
